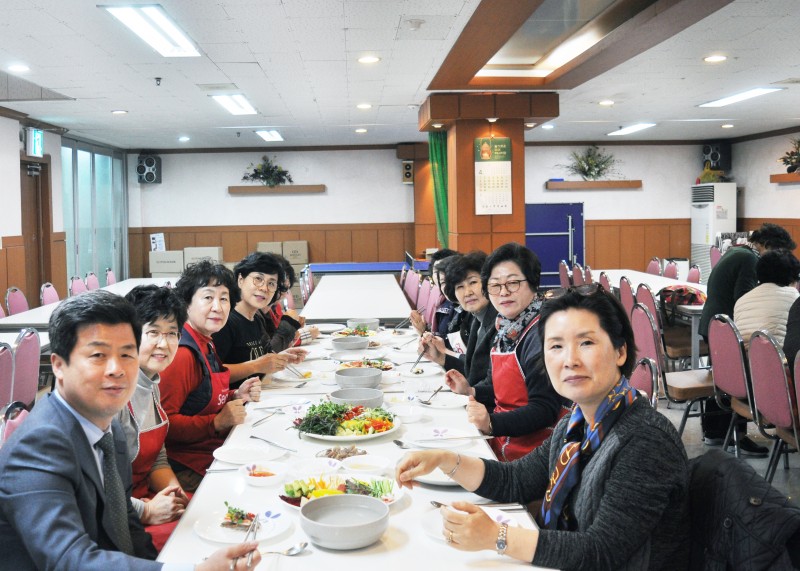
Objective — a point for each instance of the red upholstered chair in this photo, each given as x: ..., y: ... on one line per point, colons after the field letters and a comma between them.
x: 605, y: 282
x: 403, y: 273
x: 92, y: 282
x: 577, y: 275
x: 434, y: 301
x: 76, y: 286
x: 309, y: 279
x: 671, y: 270
x: 645, y: 379
x: 48, y: 294
x: 587, y: 275
x: 423, y: 299
x: 26, y: 367
x: 694, y: 274
x: 714, y: 254
x: 654, y: 266
x: 626, y: 294
x: 16, y: 302
x: 411, y: 287
x: 111, y: 278
x: 6, y: 373
x: 563, y: 274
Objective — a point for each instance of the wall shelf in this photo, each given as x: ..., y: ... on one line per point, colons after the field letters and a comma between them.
x: 591, y: 184
x: 280, y: 189
x: 785, y: 178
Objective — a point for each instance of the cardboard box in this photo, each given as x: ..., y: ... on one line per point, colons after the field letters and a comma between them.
x: 296, y: 252
x: 270, y: 247
x: 169, y: 262
x: 194, y: 255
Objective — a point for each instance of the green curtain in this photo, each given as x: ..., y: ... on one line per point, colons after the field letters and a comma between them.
x: 437, y: 153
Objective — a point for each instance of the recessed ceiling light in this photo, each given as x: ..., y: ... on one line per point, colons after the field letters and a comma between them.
x: 530, y: 125
x: 632, y: 129
x: 18, y: 68
x: 152, y: 25
x: 183, y: 139
x: 235, y: 104
x: 362, y: 130
x: 369, y: 59
x: 741, y: 97
x: 727, y: 126
x: 436, y: 125
x: 270, y: 136
x: 548, y: 127
x: 492, y: 119
x: 715, y: 58
x: 364, y: 105
x: 119, y: 112
x: 606, y: 103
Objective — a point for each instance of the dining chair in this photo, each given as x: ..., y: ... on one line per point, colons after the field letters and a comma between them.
x: 691, y: 387
x: 303, y: 286
x: 645, y: 379
x: 730, y: 374
x: 774, y: 397
x: 76, y: 286
x: 403, y: 273
x: 587, y: 275
x: 671, y: 270
x: 626, y: 294
x: 577, y: 275
x: 288, y: 301
x: 16, y: 302
x: 92, y: 283
x: 48, y: 294
x: 676, y: 339
x: 425, y: 292
x: 434, y: 301
x: 694, y: 275
x: 411, y: 287
x: 605, y: 282
x: 654, y: 266
x: 12, y: 415
x: 2, y: 311
x: 563, y: 274
x: 6, y: 373
x: 714, y: 255
x: 26, y: 367
x: 111, y: 278
x: 309, y: 279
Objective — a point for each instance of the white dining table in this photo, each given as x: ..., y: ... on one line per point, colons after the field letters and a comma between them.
x: 360, y: 296
x: 413, y: 538
x: 11, y: 336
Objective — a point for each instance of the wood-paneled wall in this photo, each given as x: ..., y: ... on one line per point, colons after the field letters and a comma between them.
x: 631, y: 243
x: 12, y: 266
x: 326, y: 242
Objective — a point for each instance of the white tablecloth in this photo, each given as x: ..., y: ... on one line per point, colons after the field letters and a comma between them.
x: 340, y: 297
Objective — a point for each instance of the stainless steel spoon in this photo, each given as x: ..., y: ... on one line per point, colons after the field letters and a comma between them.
x: 293, y: 550
x: 430, y: 398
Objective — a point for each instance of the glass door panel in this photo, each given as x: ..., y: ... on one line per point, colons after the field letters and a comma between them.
x: 103, y: 216
x: 84, y: 211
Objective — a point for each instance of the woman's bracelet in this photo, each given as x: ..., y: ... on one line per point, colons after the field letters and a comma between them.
x: 458, y: 463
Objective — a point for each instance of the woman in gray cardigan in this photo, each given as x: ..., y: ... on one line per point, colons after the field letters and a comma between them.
x: 612, y: 478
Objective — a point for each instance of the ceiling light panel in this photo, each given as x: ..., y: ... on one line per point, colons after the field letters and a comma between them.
x: 632, y: 129
x: 270, y: 135
x: 235, y: 104
x: 152, y: 24
x: 745, y: 95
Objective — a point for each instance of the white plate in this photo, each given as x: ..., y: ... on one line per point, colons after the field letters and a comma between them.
x: 422, y: 438
x: 353, y: 438
x: 273, y: 523
x: 370, y: 333
x: 357, y: 355
x: 428, y: 370
x: 432, y: 521
x: 448, y: 400
x: 254, y: 455
x: 286, y: 404
x: 436, y: 478
x: 366, y: 464
x: 329, y: 327
x: 287, y: 376
x: 407, y: 413
x: 397, y: 491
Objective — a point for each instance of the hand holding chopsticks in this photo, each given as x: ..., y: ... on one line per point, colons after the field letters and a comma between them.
x: 250, y: 536
x: 408, y: 319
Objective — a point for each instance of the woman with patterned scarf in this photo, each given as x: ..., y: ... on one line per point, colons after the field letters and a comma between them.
x: 514, y: 402
x: 613, y: 478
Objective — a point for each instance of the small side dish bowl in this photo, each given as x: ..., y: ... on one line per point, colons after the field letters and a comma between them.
x: 261, y: 474
x: 407, y: 413
x: 366, y: 464
x: 368, y: 398
x: 349, y: 343
x: 344, y: 521
x: 358, y: 378
x: 368, y: 322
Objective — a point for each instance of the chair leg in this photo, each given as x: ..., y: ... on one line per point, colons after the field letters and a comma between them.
x: 786, y: 459
x: 732, y: 428
x: 774, y: 458
x: 685, y: 416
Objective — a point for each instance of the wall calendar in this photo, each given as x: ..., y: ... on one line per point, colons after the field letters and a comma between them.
x: 493, y: 175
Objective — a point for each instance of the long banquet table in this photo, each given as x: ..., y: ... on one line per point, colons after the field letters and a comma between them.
x: 408, y: 542
x: 339, y: 297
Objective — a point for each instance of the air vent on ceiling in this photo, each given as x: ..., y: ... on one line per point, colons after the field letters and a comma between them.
x: 217, y: 87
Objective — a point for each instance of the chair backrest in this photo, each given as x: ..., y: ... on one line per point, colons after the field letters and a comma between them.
x: 12, y: 416
x: 6, y: 373
x: 2, y: 311
x: 587, y: 275
x: 671, y: 270
x: 26, y: 367
x: 654, y: 266
x: 411, y: 287
x: 626, y: 294
x: 645, y: 378
x: 644, y: 295
x: 434, y: 301
x: 76, y: 285
x: 714, y: 254
x: 425, y: 290
x: 309, y: 279
x: 563, y: 274
x: 111, y: 278
x: 16, y: 301
x: 92, y: 282
x: 48, y: 294
x: 288, y: 301
x: 403, y: 273
x: 647, y: 336
x: 728, y: 359
x: 605, y: 282
x: 577, y: 275
x: 694, y: 275
x: 303, y: 281
x: 769, y: 373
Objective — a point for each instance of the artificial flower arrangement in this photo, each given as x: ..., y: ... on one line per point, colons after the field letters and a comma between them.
x: 591, y: 164
x: 792, y: 158
x: 267, y: 173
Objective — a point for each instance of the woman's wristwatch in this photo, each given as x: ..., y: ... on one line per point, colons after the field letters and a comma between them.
x: 502, y: 543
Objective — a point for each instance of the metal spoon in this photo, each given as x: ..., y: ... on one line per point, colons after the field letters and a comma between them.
x: 430, y: 398
x: 293, y: 550
x: 301, y: 385
x: 402, y: 444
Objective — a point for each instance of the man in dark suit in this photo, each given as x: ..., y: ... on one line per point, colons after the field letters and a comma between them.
x: 65, y: 502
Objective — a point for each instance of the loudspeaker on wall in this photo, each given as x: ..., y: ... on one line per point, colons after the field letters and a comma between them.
x: 718, y: 153
x: 148, y: 169
x: 408, y: 172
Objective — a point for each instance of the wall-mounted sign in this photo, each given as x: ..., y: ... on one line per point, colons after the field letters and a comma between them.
x: 493, y: 175
x: 34, y: 142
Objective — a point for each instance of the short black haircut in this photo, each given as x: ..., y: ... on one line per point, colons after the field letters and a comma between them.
x: 441, y: 255
x: 89, y: 308
x: 457, y: 269
x: 779, y: 267
x: 205, y: 273
x: 526, y: 259
x: 772, y: 236
x: 261, y: 262
x: 609, y: 311
x: 153, y: 302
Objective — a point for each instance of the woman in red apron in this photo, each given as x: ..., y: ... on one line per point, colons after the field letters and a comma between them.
x: 195, y: 389
x: 525, y: 406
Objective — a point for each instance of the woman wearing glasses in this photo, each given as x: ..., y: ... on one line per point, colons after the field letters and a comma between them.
x: 287, y: 328
x: 613, y: 477
x: 525, y: 405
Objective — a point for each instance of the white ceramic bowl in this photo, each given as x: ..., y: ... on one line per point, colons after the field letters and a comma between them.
x: 368, y: 322
x: 278, y: 470
x: 349, y: 343
x: 407, y: 413
x: 358, y: 378
x: 368, y: 398
x: 344, y: 521
x: 366, y: 464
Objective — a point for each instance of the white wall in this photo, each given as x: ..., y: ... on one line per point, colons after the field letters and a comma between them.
x: 667, y: 172
x: 362, y: 187
x: 10, y: 200
x: 753, y: 162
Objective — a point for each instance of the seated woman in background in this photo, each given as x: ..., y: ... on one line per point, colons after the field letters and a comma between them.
x: 791, y: 344
x: 195, y: 390
x: 445, y: 309
x: 244, y: 343
x: 157, y: 495
x: 287, y: 328
x: 525, y: 406
x: 613, y: 477
x: 766, y: 306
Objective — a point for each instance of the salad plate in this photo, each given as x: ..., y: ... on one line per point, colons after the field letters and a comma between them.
x: 432, y: 521
x: 448, y: 400
x: 436, y: 478
x: 392, y: 492
x: 273, y: 523
x: 329, y: 327
x: 254, y: 455
x: 353, y: 437
x: 347, y: 332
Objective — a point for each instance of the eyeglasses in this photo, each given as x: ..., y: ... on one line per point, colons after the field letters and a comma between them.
x: 154, y: 336
x: 259, y: 281
x: 584, y: 290
x: 511, y: 286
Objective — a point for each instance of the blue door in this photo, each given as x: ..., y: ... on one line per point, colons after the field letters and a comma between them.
x: 555, y: 233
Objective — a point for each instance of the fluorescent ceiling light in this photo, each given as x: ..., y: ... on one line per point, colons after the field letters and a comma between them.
x: 741, y: 96
x: 119, y: 112
x: 18, y: 68
x: 715, y: 59
x: 270, y: 136
x: 152, y: 25
x: 606, y: 103
x: 548, y: 127
x: 437, y: 125
x: 361, y: 130
x: 727, y: 126
x: 235, y: 104
x: 364, y: 106
x: 183, y: 139
x: 631, y: 129
x: 369, y: 59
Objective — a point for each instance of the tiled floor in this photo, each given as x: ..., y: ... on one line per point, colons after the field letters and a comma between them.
x: 787, y: 481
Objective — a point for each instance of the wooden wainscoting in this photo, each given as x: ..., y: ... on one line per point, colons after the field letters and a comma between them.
x: 12, y: 266
x: 792, y: 226
x: 631, y: 243
x: 326, y: 242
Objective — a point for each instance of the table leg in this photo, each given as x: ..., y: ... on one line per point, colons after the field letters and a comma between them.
x: 695, y: 340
